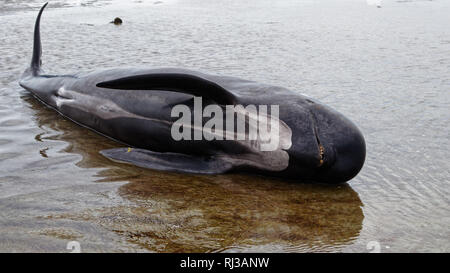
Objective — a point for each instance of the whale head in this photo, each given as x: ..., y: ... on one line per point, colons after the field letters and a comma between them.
x: 326, y: 146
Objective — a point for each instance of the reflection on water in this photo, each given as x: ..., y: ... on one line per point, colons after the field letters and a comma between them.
x: 178, y: 212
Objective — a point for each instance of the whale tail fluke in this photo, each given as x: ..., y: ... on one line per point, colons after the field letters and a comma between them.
x: 37, y: 49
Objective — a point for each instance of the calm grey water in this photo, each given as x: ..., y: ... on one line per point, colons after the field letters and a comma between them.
x: 385, y: 68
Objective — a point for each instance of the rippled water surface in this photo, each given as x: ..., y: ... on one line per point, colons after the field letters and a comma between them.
x: 387, y: 69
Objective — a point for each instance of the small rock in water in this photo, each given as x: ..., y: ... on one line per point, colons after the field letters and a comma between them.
x: 117, y: 21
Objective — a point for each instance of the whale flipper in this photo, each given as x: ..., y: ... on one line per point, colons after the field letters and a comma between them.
x: 175, y: 82
x: 175, y: 162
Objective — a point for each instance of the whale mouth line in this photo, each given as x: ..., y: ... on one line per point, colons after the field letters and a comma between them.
x: 321, y: 150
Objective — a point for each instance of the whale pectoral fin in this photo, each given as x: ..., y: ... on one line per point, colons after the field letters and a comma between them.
x: 175, y: 82
x: 175, y: 162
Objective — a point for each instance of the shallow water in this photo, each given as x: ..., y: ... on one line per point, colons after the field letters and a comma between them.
x: 387, y: 69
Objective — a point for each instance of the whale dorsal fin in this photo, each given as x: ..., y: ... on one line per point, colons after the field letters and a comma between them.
x: 175, y: 82
x: 36, y: 61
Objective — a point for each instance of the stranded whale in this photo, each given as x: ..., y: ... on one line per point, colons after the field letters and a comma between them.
x: 186, y: 121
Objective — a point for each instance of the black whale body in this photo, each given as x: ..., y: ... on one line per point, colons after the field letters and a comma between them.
x: 133, y: 106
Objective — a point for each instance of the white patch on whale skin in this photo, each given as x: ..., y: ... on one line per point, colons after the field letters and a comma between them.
x: 271, y: 161
x: 99, y: 107
x: 276, y: 159
x: 62, y: 97
x: 283, y: 135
